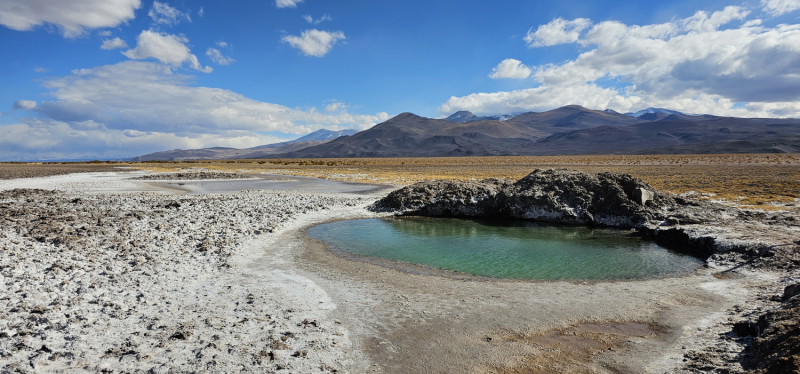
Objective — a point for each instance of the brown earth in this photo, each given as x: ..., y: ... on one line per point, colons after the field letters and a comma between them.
x: 740, y: 179
x: 32, y: 170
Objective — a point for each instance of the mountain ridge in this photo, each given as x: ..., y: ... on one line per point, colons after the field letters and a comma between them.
x: 568, y: 130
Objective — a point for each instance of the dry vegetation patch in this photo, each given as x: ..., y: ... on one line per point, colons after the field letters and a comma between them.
x: 14, y: 170
x: 768, y: 181
x: 765, y: 181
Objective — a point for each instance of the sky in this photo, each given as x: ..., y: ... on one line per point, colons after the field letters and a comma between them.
x: 109, y: 79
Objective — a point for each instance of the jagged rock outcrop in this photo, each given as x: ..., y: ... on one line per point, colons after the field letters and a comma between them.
x: 561, y: 196
x: 776, y: 349
x: 697, y: 227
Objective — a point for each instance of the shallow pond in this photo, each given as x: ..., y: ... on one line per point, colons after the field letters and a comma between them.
x: 506, y: 249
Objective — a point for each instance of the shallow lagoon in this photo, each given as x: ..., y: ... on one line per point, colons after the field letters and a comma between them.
x: 506, y: 249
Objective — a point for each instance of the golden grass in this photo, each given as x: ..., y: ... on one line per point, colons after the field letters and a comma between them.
x: 743, y: 179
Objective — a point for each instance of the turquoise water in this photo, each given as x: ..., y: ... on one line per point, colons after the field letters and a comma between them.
x: 508, y: 249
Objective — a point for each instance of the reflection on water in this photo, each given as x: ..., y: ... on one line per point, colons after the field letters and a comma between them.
x: 506, y: 249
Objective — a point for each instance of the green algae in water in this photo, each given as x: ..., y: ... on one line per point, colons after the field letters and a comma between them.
x: 507, y: 249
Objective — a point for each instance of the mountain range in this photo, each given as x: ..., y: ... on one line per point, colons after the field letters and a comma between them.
x: 221, y: 153
x: 569, y: 130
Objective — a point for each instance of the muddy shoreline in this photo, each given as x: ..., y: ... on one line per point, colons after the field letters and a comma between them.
x: 409, y: 311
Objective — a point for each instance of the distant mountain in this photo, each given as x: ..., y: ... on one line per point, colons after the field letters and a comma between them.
x: 652, y: 111
x: 720, y: 135
x: 569, y: 130
x: 409, y: 135
x: 463, y: 117
x: 316, y: 136
x: 466, y: 117
x: 324, y: 135
x: 221, y: 153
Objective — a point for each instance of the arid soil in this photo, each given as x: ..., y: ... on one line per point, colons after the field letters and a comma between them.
x: 15, y: 170
x: 103, y: 281
x: 764, y: 181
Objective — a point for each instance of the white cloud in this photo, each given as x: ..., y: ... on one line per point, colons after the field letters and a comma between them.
x: 40, y: 69
x: 24, y: 105
x: 200, y: 12
x: 47, y: 139
x: 779, y: 7
x: 511, y: 68
x: 138, y: 107
x: 216, y: 56
x: 163, y: 14
x: 693, y: 64
x: 287, y: 3
x: 556, y: 32
x: 104, y: 33
x: 72, y: 17
x: 314, y: 42
x: 334, y: 106
x: 222, y: 44
x: 113, y: 44
x: 311, y: 20
x: 167, y: 48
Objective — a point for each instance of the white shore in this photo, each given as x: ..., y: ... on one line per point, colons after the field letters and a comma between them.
x: 103, y: 277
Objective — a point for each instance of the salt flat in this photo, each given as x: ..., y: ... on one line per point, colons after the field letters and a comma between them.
x: 116, y: 275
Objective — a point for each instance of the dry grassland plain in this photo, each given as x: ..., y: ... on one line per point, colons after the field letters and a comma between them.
x: 766, y: 181
x: 14, y: 170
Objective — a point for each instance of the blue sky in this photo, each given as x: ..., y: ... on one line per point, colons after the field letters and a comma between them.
x: 119, y: 78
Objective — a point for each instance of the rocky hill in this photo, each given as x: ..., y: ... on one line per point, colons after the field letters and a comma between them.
x: 569, y: 130
x: 221, y: 153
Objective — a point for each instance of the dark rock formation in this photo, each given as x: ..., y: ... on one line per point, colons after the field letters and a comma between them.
x: 560, y: 196
x: 696, y: 227
x: 777, y: 347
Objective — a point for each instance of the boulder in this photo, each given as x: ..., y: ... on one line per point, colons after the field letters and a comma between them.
x: 791, y: 291
x: 562, y: 196
x: 641, y: 196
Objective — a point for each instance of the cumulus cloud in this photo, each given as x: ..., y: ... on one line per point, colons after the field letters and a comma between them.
x: 779, y: 7
x: 163, y: 14
x: 47, y: 139
x: 24, y: 105
x: 222, y: 44
x: 104, y: 33
x: 140, y: 107
x: 287, y: 3
x: 167, y: 48
x: 314, y: 42
x: 510, y: 68
x: 113, y: 44
x: 557, y: 31
x: 216, y: 56
x: 72, y: 17
x: 311, y: 20
x: 693, y: 64
x: 334, y: 106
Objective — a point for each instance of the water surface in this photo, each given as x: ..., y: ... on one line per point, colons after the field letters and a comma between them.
x: 506, y: 249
